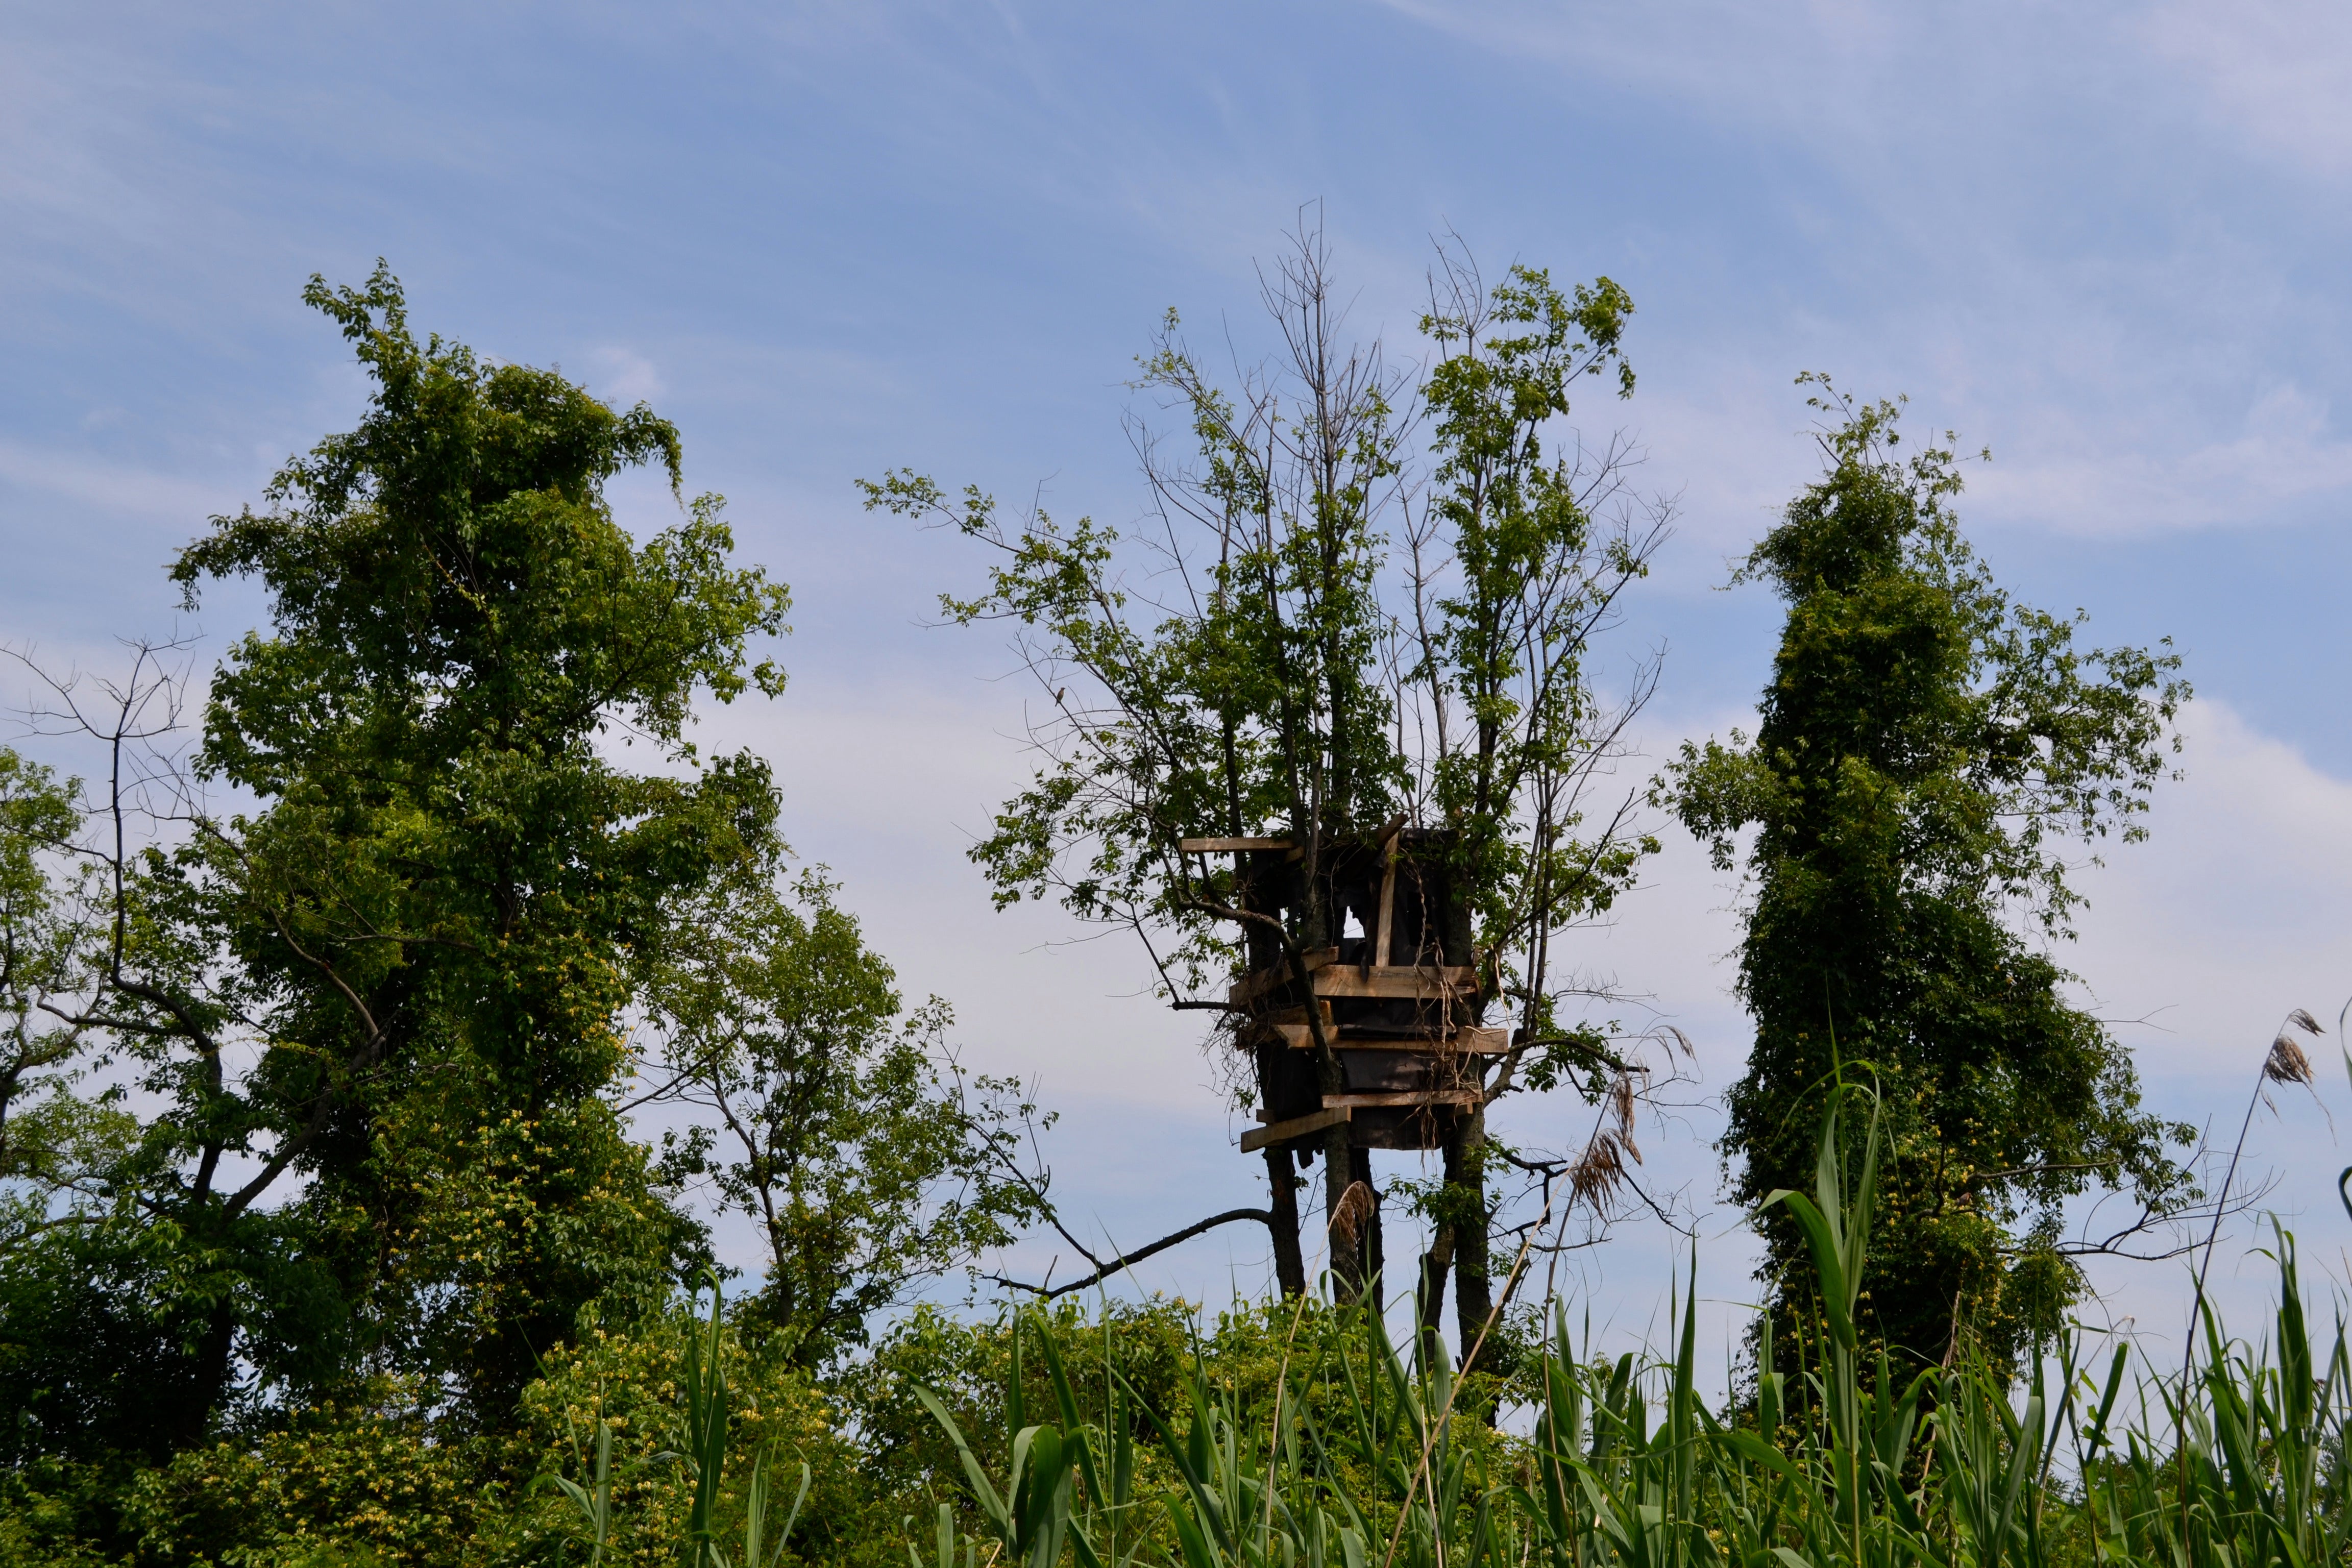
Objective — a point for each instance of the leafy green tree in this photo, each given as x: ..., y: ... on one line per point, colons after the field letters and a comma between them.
x: 109, y: 1311
x: 850, y: 1134
x: 1328, y: 627
x: 377, y: 1003
x: 80, y: 1322
x: 58, y: 1146
x: 1925, y: 748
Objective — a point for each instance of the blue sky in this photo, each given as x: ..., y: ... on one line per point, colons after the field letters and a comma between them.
x: 2106, y: 241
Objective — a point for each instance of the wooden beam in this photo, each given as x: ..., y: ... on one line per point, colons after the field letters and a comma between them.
x: 1299, y: 1037
x: 1480, y: 1042
x: 1392, y: 981
x: 1258, y: 981
x: 1296, y: 1127
x: 1227, y: 846
x: 1415, y: 1097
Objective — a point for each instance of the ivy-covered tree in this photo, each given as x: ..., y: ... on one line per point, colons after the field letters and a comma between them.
x: 1338, y: 619
x: 1927, y: 749
x: 375, y: 1009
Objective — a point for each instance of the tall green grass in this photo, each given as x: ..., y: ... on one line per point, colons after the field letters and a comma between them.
x: 1361, y: 1452
x: 701, y: 1459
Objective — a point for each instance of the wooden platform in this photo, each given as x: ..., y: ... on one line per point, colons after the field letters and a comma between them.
x: 1395, y: 1101
x: 1326, y: 977
x: 1296, y: 1127
x: 1339, y: 1108
x: 1397, y: 998
x: 1470, y: 1042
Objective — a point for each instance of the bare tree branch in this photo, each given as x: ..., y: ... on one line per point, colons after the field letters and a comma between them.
x: 1129, y: 1260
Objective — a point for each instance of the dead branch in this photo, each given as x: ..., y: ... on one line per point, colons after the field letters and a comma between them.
x: 1129, y: 1260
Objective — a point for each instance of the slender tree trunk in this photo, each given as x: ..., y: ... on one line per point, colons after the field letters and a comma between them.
x: 1434, y: 1263
x: 1474, y: 1292
x: 1289, y: 1263
x: 1360, y: 1169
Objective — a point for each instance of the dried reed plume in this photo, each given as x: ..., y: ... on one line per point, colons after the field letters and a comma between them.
x: 1601, y: 1168
x: 1355, y: 1208
x: 2286, y: 1062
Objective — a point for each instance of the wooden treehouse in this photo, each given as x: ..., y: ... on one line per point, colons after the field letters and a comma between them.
x: 1397, y: 994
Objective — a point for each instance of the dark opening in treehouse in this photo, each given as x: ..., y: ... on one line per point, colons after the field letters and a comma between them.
x: 1397, y: 995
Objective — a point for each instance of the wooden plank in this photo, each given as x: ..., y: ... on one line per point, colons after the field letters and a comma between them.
x: 1415, y: 1097
x: 1258, y: 981
x: 1395, y: 981
x: 1479, y: 1042
x: 1296, y: 1127
x: 1227, y: 846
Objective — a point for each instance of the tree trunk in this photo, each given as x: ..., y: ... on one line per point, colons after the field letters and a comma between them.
x: 1289, y: 1265
x: 180, y: 1417
x: 1474, y: 1292
x: 1433, y: 1266
x: 1360, y: 1169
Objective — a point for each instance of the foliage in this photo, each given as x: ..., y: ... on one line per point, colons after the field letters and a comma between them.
x: 1327, y: 629
x: 380, y: 1480
x: 1515, y: 572
x: 853, y: 1137
x: 323, y: 1239
x: 775, y: 1417
x: 366, y: 1478
x: 1834, y: 1463
x: 1288, y: 1432
x: 56, y: 1144
x: 1273, y: 690
x: 375, y: 1009
x: 1926, y: 745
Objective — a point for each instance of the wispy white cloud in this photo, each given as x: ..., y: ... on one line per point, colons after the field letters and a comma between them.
x: 2287, y: 456
x: 623, y: 377
x: 2274, y: 75
x: 2017, y: 214
x: 114, y: 489
x: 2238, y: 908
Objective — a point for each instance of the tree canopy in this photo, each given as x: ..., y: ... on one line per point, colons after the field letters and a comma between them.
x: 829, y: 1112
x: 1368, y: 595
x: 376, y: 1065
x: 377, y: 1005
